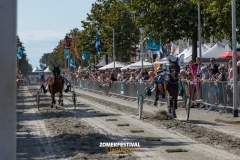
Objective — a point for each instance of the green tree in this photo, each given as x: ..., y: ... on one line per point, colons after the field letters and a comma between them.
x: 169, y: 20
x: 109, y: 13
x: 56, y: 58
x: 23, y: 63
x: 220, y: 12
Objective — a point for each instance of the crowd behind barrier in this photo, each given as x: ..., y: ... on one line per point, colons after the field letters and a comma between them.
x: 207, y: 86
x: 211, y: 91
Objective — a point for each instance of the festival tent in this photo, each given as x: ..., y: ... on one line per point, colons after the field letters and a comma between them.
x: 188, y: 55
x: 101, y: 63
x: 228, y: 55
x: 36, y: 69
x: 47, y: 70
x: 139, y: 65
x: 187, y: 51
x: 111, y: 65
x: 125, y: 67
x: 215, y: 51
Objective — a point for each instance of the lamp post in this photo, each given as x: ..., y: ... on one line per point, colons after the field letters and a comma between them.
x: 199, y: 31
x: 234, y: 61
x: 113, y: 44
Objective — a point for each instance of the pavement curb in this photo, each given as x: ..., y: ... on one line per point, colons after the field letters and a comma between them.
x: 227, y: 121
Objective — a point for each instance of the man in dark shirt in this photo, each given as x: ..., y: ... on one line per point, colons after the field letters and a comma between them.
x: 214, y: 65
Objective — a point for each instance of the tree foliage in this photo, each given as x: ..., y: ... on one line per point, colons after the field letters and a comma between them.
x: 165, y: 21
x: 220, y: 11
x: 23, y: 64
x: 109, y: 13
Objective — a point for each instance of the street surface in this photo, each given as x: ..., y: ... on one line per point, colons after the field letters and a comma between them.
x: 64, y: 133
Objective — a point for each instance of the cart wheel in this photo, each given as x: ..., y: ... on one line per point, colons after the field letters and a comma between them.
x: 38, y: 100
x: 140, y: 107
x: 188, y: 106
x: 74, y: 99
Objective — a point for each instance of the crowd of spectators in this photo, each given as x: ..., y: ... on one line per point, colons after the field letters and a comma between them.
x: 114, y: 75
x: 195, y: 74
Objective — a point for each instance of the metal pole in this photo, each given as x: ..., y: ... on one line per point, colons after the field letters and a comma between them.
x: 69, y: 62
x: 65, y: 61
x: 95, y: 60
x: 113, y: 50
x: 199, y: 31
x: 82, y: 58
x: 8, y: 79
x: 141, y: 45
x: 234, y: 60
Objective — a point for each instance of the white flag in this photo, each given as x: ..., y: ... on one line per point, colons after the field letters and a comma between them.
x: 181, y: 60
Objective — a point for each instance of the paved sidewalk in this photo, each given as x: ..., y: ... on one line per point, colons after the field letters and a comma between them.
x: 213, y: 119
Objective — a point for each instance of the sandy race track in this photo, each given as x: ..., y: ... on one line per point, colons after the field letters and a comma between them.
x: 64, y: 133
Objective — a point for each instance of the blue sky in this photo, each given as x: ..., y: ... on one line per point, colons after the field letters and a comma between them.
x: 42, y: 23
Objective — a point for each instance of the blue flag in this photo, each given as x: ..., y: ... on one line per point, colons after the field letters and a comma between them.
x: 66, y: 51
x: 20, y: 53
x: 72, y: 63
x: 85, y: 55
x: 97, y: 43
x: 152, y: 45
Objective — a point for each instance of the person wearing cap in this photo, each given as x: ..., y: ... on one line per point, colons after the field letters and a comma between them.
x: 169, y: 67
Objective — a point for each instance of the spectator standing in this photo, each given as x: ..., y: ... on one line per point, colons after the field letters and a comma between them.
x: 193, y: 71
x: 222, y: 76
x: 214, y: 66
x: 119, y: 75
x: 113, y: 77
x: 133, y: 77
x: 213, y: 86
x: 199, y: 63
x: 230, y: 71
x: 205, y: 74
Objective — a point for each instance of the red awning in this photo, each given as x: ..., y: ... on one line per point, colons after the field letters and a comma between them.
x: 228, y: 55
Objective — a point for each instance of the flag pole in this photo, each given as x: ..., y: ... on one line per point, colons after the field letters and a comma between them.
x: 234, y: 60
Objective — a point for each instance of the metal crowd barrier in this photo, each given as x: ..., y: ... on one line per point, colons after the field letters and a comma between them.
x: 213, y: 94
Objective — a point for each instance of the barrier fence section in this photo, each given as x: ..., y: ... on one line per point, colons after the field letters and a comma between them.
x: 215, y: 95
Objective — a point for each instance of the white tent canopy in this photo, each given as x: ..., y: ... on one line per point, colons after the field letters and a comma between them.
x: 139, y: 65
x: 111, y: 65
x: 101, y: 63
x: 216, y: 51
x: 173, y: 58
x: 188, y: 56
x: 125, y: 67
x: 36, y: 69
x: 47, y: 70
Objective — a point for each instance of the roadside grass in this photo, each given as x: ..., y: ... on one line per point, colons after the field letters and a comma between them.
x: 111, y: 119
x: 122, y: 124
x: 152, y: 139
x: 89, y: 109
x: 136, y: 131
x: 175, y: 150
x: 94, y: 111
x: 102, y: 115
